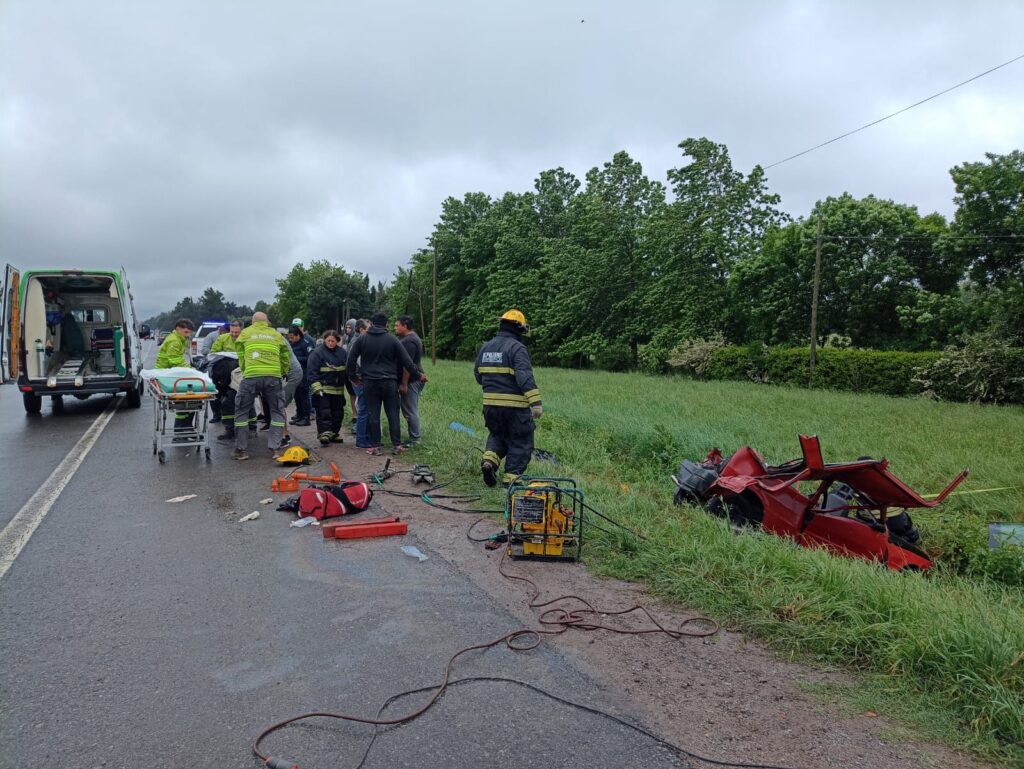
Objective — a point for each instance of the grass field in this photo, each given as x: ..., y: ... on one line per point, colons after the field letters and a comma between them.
x: 944, y: 652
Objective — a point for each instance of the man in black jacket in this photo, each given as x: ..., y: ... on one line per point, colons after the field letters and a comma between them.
x: 381, y: 358
x: 302, y: 347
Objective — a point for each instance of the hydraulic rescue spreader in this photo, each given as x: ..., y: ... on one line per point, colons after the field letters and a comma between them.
x: 545, y: 518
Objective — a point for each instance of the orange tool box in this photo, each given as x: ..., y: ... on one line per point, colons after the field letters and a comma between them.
x: 328, y: 528
x: 284, y: 484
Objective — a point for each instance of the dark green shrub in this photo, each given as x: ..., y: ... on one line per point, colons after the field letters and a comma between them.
x: 984, y: 369
x: 869, y: 371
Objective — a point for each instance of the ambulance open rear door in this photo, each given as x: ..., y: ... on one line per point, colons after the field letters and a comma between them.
x: 10, y: 324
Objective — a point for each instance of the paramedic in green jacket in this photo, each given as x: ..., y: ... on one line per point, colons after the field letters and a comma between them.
x: 172, y: 351
x: 264, y: 358
x: 172, y: 355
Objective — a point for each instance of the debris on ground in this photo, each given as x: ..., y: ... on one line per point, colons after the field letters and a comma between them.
x: 250, y: 517
x: 414, y: 552
x: 181, y: 499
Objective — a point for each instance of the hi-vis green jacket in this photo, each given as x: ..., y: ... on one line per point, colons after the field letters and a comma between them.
x: 223, y: 343
x: 172, y: 351
x: 262, y: 351
x: 503, y: 369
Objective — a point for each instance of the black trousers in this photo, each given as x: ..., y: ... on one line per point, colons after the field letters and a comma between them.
x: 378, y: 392
x: 510, y: 437
x: 330, y: 411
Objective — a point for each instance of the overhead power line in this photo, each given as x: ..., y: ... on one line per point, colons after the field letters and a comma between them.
x: 897, y: 112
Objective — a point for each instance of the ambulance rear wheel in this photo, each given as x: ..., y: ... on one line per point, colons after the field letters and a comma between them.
x: 33, y: 403
x: 133, y: 398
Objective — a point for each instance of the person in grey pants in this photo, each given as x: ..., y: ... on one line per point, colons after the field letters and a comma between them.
x: 409, y: 391
x: 264, y: 358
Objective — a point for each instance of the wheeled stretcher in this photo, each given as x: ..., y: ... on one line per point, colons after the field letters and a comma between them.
x: 181, y: 414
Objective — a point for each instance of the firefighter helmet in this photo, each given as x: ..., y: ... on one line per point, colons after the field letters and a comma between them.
x: 294, y: 455
x: 516, y: 317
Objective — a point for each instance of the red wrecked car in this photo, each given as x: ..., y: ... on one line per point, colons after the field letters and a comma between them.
x: 856, y: 509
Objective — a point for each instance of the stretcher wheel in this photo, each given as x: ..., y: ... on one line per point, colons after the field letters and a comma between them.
x: 207, y: 452
x: 162, y: 456
x: 154, y: 447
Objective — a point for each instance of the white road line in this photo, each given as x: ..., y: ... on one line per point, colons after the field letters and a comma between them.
x: 17, y: 533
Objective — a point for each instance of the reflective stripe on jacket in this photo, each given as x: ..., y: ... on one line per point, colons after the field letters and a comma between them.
x: 172, y: 351
x: 326, y: 370
x: 504, y: 370
x: 262, y: 351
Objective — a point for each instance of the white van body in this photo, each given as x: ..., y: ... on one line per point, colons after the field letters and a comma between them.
x: 78, y: 335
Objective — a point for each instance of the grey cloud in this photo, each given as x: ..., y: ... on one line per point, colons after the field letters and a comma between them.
x: 218, y: 143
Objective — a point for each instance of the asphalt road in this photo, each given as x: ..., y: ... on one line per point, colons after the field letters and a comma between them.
x: 138, y: 633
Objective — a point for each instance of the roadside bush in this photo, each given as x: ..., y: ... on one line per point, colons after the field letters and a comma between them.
x: 866, y: 371
x: 694, y: 356
x: 652, y: 357
x: 984, y: 369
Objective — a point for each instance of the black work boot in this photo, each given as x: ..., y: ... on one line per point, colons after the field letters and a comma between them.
x: 490, y: 472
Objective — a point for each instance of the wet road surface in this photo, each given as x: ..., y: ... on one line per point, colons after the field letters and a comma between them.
x: 138, y: 633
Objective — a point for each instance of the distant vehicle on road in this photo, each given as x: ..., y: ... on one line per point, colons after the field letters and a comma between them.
x: 206, y: 328
x: 76, y: 335
x: 145, y: 332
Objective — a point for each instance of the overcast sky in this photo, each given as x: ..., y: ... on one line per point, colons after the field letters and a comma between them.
x: 207, y: 142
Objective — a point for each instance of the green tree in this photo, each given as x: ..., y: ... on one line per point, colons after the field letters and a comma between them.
x: 321, y: 294
x: 989, y: 220
x: 463, y: 248
x: 718, y: 219
x: 607, y: 226
x: 878, y: 260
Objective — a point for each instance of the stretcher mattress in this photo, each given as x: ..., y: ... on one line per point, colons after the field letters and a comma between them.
x: 180, y: 381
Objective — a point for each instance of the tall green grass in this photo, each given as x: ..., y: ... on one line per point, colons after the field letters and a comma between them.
x: 951, y: 639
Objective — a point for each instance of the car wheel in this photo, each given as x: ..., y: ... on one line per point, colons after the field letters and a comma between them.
x: 742, y: 510
x: 33, y: 403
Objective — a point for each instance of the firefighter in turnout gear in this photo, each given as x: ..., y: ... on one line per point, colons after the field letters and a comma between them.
x: 511, y: 399
x: 327, y: 375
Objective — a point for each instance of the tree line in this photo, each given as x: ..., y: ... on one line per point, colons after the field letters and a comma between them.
x: 323, y: 294
x: 616, y: 270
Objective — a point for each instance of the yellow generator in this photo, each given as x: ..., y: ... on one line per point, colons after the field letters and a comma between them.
x: 545, y: 518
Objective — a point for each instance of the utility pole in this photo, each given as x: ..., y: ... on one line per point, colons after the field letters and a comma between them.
x: 419, y: 301
x: 433, y: 313
x: 814, y: 305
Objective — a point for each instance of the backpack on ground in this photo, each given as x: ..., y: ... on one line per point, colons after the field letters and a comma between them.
x: 332, y: 501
